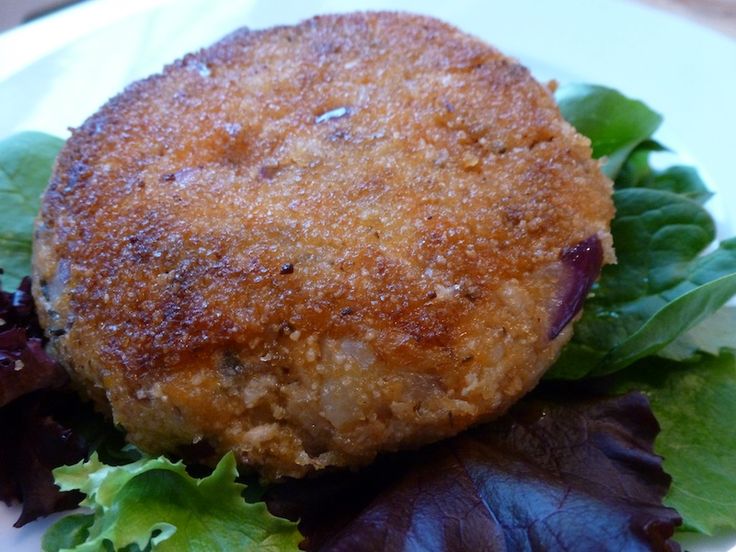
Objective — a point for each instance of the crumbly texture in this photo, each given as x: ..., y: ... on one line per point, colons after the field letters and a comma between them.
x: 311, y: 244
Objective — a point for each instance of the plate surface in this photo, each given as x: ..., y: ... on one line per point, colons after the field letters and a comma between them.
x: 57, y: 71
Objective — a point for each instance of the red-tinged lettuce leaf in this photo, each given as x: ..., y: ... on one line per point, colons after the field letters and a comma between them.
x: 42, y: 431
x: 32, y: 443
x: 554, y: 474
x: 32, y: 439
x: 24, y: 365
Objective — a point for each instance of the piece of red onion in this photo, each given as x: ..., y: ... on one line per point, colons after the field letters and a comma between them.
x: 582, y: 265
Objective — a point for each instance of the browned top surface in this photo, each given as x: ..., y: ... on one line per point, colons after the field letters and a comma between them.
x: 173, y: 210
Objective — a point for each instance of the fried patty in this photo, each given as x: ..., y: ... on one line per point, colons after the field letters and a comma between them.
x: 310, y: 244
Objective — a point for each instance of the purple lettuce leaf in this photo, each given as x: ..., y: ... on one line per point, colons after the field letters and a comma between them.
x: 32, y: 443
x: 32, y: 401
x: 24, y: 365
x: 556, y: 473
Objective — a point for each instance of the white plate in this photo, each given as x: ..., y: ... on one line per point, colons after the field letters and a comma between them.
x: 58, y: 70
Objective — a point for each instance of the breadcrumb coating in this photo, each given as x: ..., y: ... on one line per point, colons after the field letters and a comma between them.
x: 310, y: 244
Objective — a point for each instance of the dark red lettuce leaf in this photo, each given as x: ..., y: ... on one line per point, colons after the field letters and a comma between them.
x: 24, y: 365
x: 556, y: 473
x: 17, y: 309
x: 32, y: 401
x: 32, y: 443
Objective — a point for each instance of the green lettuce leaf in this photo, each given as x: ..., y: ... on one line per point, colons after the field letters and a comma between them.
x: 710, y: 336
x: 68, y: 533
x: 156, y: 503
x: 614, y: 123
x: 636, y: 170
x: 661, y: 286
x: 26, y: 161
x: 659, y: 289
x: 695, y: 404
x: 679, y: 179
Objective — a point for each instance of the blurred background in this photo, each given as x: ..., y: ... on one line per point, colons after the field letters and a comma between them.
x: 15, y: 12
x: 717, y: 14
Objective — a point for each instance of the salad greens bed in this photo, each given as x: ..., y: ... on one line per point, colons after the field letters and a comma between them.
x: 156, y: 501
x: 572, y: 466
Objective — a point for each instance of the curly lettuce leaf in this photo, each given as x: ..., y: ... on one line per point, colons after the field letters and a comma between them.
x: 68, y: 533
x: 695, y: 404
x: 154, y: 502
x: 26, y: 161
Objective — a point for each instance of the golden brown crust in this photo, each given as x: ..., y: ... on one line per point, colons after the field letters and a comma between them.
x: 312, y: 243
